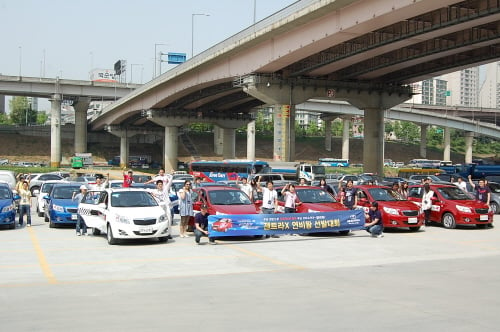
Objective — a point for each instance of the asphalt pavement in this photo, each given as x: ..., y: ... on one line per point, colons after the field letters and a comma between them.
x: 436, y: 279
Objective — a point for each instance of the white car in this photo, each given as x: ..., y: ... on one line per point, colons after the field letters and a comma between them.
x: 124, y: 213
x: 44, y: 190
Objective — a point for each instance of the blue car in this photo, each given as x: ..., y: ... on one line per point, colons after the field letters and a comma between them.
x: 7, y: 206
x: 61, y: 208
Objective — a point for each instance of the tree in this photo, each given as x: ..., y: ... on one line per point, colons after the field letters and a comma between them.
x: 406, y: 131
x: 21, y: 112
x: 41, y: 118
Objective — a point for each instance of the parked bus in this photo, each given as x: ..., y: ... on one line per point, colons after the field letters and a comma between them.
x: 407, y: 172
x: 421, y: 163
x: 334, y: 162
x: 226, y: 170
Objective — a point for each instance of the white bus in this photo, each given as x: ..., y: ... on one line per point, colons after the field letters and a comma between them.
x: 334, y: 162
x: 423, y: 163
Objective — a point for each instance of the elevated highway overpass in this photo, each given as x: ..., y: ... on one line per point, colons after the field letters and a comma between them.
x: 363, y: 52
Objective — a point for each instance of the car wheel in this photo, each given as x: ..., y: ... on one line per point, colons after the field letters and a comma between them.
x: 414, y: 229
x: 494, y: 208
x: 46, y: 218
x: 110, y: 237
x: 163, y: 239
x: 449, y: 220
x: 96, y: 231
x: 52, y: 224
x: 33, y: 190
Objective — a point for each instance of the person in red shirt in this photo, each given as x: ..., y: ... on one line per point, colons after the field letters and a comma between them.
x: 127, y: 179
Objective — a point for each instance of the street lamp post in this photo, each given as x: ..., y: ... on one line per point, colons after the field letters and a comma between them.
x: 20, y: 59
x: 154, y: 74
x: 192, y: 30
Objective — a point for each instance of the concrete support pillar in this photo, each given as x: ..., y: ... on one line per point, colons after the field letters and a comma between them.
x: 170, y: 152
x: 124, y: 150
x: 373, y: 146
x: 229, y: 149
x: 218, y: 140
x: 81, y: 107
x: 328, y: 135
x: 469, y: 139
x: 423, y: 141
x: 284, y: 133
x: 447, y: 144
x: 346, y: 123
x: 251, y: 140
x: 55, y: 130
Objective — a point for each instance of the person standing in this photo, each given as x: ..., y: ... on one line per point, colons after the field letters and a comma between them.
x: 482, y: 192
x: 374, y: 226
x: 323, y: 185
x: 255, y: 191
x: 350, y: 200
x: 128, y: 179
x: 25, y: 204
x: 185, y: 207
x: 461, y: 184
x: 269, y: 197
x: 291, y: 199
x: 403, y: 189
x: 81, y: 227
x: 427, y: 203
x: 162, y: 194
x: 245, y: 187
x: 165, y: 178
x: 201, y: 225
x: 99, y: 184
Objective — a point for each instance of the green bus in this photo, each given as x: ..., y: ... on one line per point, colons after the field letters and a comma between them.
x: 76, y: 162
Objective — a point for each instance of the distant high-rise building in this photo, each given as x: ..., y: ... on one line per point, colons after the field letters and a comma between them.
x: 489, y: 93
x: 430, y: 92
x: 463, y: 87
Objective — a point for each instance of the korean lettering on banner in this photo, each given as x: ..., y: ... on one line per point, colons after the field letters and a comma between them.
x: 292, y: 223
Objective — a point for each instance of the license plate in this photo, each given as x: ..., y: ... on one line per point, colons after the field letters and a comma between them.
x: 412, y: 220
x: 74, y: 217
x: 483, y: 217
x: 146, y: 230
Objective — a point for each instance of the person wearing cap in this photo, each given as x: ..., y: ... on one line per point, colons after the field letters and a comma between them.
x: 201, y: 225
x: 374, y: 226
x: 128, y: 179
x: 81, y: 227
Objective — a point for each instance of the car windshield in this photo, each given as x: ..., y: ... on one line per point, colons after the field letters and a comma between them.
x: 65, y: 192
x: 228, y: 197
x: 132, y: 199
x: 495, y: 188
x: 5, y: 193
x: 454, y: 194
x: 314, y: 196
x: 385, y: 194
x: 46, y: 187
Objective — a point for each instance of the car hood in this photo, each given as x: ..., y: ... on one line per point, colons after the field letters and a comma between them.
x: 5, y: 202
x: 65, y: 202
x: 402, y: 205
x: 143, y: 212
x: 471, y: 204
x: 235, y: 209
x: 323, y: 207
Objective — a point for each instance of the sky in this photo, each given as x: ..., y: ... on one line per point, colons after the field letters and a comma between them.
x: 70, y: 38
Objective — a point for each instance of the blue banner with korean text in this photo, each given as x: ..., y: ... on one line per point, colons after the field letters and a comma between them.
x: 286, y: 223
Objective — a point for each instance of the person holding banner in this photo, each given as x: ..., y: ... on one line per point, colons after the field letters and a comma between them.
x: 291, y: 199
x: 374, y: 226
x: 201, y: 225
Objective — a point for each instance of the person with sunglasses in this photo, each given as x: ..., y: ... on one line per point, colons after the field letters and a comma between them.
x: 185, y: 207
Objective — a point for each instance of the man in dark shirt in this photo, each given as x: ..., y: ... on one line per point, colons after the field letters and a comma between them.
x: 374, y: 226
x: 201, y: 225
x: 482, y: 192
x: 350, y: 198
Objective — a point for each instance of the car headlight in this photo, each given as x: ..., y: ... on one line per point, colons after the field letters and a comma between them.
x: 123, y: 219
x: 463, y: 209
x: 312, y: 211
x: 162, y: 218
x: 391, y: 211
x: 57, y: 208
x: 8, y: 208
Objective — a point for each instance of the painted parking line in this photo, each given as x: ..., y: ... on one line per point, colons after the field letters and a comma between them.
x: 44, y: 265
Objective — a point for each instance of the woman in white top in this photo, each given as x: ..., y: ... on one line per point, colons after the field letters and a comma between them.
x: 291, y: 199
x: 427, y: 202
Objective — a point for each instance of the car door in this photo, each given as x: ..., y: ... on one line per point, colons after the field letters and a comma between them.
x: 94, y: 208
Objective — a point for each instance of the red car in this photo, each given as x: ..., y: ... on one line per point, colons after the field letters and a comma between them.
x: 452, y: 206
x: 222, y: 200
x: 312, y: 199
x: 396, y: 211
